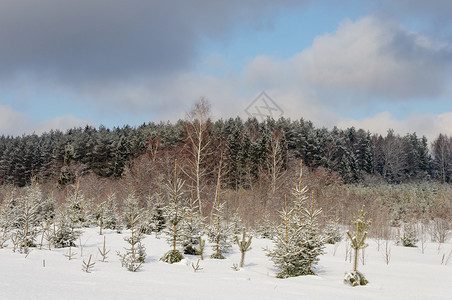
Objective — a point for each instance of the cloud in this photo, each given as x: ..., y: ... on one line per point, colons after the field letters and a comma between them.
x: 429, y: 125
x: 86, y: 41
x: 16, y: 124
x: 377, y: 58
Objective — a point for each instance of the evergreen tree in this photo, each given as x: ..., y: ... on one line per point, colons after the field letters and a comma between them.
x: 135, y: 255
x: 358, y: 242
x: 174, y: 215
x: 244, y: 246
x: 288, y: 254
x: 332, y: 232
x: 191, y: 230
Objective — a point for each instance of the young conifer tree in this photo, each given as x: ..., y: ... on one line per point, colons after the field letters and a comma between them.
x: 358, y: 242
x: 288, y: 254
x: 135, y: 255
x: 298, y: 243
x: 219, y: 233
x: 174, y: 216
x: 65, y: 232
x: 314, y: 242
x: 192, y: 226
x: 6, y: 217
x: 111, y: 217
x: 29, y: 203
x: 244, y: 246
x: 131, y: 206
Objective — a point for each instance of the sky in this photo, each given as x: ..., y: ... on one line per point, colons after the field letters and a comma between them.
x: 370, y: 64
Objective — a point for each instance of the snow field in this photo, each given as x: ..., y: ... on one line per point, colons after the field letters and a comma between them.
x: 409, y: 275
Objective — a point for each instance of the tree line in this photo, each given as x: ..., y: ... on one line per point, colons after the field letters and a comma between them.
x: 248, y: 150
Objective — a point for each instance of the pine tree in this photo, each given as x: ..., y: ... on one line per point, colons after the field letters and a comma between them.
x: 191, y: 229
x: 288, y: 254
x: 314, y: 242
x: 358, y: 242
x: 30, y: 202
x: 111, y: 217
x: 298, y: 243
x: 174, y: 215
x: 332, y: 231
x: 409, y: 237
x: 65, y: 231
x: 218, y: 232
x: 134, y: 256
x: 6, y: 217
x: 244, y: 246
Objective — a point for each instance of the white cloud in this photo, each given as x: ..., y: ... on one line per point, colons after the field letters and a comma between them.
x: 376, y: 57
x: 16, y: 124
x: 430, y: 125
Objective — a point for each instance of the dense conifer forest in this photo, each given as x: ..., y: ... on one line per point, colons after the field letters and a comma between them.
x: 250, y: 148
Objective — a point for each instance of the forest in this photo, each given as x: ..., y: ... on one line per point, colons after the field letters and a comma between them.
x: 254, y: 163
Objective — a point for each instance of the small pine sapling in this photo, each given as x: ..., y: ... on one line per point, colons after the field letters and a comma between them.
x: 236, y: 222
x: 314, y: 242
x: 265, y: 227
x: 218, y: 232
x: 70, y: 254
x: 191, y: 229
x: 87, y: 266
x: 174, y: 216
x: 28, y: 219
x: 111, y: 218
x: 358, y: 242
x: 201, y: 244
x: 288, y: 252
x: 66, y: 233
x: 409, y: 237
x: 332, y: 231
x: 134, y: 256
x: 244, y: 246
x: 196, y: 267
x: 6, y: 218
x: 104, y: 252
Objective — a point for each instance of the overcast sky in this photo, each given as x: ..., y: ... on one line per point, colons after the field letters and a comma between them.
x: 370, y: 64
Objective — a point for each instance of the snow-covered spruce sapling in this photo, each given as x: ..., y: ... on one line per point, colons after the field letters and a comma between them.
x: 66, y: 233
x: 174, y: 216
x: 409, y: 236
x: 332, y: 231
x: 288, y: 253
x: 244, y: 246
x: 28, y: 219
x: 104, y: 252
x: 135, y: 255
x: 111, y: 218
x: 6, y: 218
x: 201, y: 245
x: 219, y: 233
x: 358, y: 242
x: 313, y: 241
x: 191, y: 230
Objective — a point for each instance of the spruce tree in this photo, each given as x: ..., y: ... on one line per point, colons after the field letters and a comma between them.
x: 219, y: 233
x: 174, y: 215
x: 358, y: 242
x: 314, y: 242
x: 191, y: 229
x: 244, y: 246
x: 288, y: 254
x: 135, y: 255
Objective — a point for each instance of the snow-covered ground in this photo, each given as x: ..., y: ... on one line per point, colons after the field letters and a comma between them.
x: 409, y: 275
